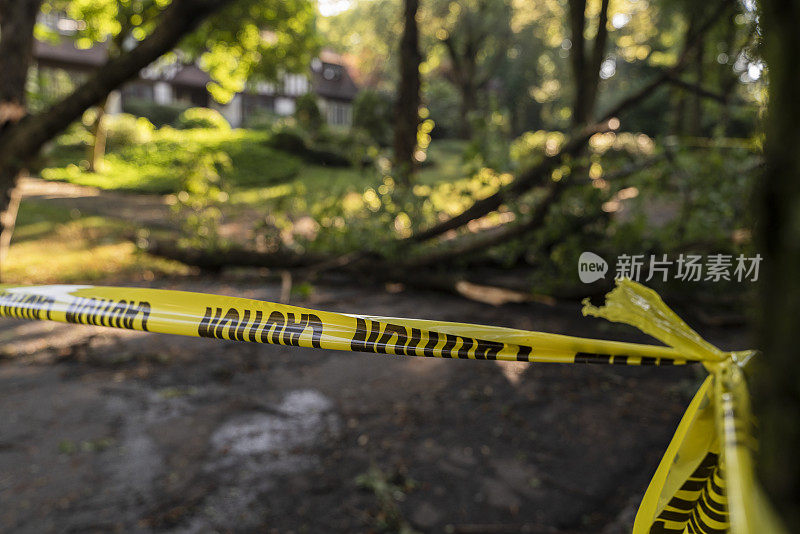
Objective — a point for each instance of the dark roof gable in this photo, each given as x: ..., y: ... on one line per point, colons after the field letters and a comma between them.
x: 332, y: 80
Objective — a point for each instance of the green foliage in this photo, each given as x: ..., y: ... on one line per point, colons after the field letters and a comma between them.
x: 368, y: 31
x: 325, y: 146
x: 290, y: 139
x: 202, y: 118
x: 442, y: 101
x: 197, y: 205
x: 353, y: 147
x: 254, y: 39
x: 489, y: 146
x: 706, y: 189
x: 246, y: 39
x: 307, y: 113
x: 263, y: 119
x: 126, y: 130
x: 54, y: 244
x: 373, y: 113
x: 159, y: 114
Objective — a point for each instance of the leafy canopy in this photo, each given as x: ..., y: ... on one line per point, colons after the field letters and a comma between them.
x: 247, y: 40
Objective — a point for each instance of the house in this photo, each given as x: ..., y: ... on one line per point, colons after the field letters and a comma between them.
x: 63, y: 65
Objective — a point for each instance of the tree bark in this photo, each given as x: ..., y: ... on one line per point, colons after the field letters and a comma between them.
x: 17, y: 19
x: 97, y: 149
x: 777, y: 391
x: 408, y: 97
x: 585, y: 64
x: 577, y: 55
x: 598, y: 53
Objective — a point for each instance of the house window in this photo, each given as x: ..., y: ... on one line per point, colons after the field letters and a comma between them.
x: 339, y: 114
x: 58, y: 21
x: 295, y: 84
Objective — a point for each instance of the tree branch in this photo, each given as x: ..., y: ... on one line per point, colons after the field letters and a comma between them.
x: 697, y: 89
x: 646, y: 90
x: 535, y: 174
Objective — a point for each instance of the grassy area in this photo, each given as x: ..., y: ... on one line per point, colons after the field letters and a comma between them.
x: 58, y: 245
x: 317, y: 182
x: 158, y: 165
x: 55, y: 244
x: 257, y: 171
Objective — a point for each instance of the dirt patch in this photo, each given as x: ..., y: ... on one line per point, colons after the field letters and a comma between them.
x: 116, y: 431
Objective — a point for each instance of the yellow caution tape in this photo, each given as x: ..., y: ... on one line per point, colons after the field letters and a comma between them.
x: 705, y: 482
x: 197, y: 314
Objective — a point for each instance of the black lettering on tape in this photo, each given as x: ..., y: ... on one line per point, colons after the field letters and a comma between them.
x: 390, y: 331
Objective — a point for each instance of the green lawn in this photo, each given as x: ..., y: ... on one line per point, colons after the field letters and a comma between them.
x: 58, y: 245
x: 158, y: 166
x: 257, y: 170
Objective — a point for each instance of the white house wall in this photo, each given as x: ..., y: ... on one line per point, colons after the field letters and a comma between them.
x: 284, y: 106
x: 162, y: 93
x: 232, y: 111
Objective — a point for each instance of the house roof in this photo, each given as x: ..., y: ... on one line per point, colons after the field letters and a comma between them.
x: 191, y: 75
x: 64, y: 53
x: 330, y: 77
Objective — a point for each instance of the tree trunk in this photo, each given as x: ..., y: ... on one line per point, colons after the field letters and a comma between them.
x: 17, y: 19
x: 97, y: 149
x: 408, y: 97
x: 777, y: 392
x: 577, y: 54
x: 586, y: 66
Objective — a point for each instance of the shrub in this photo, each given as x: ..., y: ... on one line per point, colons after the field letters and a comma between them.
x: 202, y: 118
x: 443, y: 104
x: 158, y: 114
x: 289, y: 139
x: 372, y: 112
x: 126, y: 130
x: 262, y: 119
x: 308, y: 114
x: 326, y: 147
x: 354, y: 147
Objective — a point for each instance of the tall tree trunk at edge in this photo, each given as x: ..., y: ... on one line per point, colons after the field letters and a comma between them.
x: 408, y: 97
x: 777, y: 387
x: 17, y: 19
